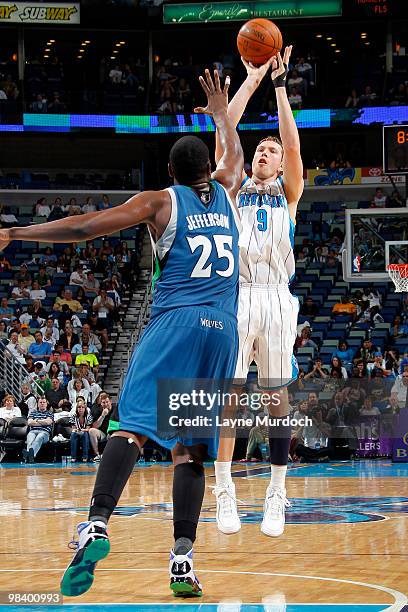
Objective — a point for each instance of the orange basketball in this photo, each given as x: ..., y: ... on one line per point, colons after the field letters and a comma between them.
x: 258, y: 40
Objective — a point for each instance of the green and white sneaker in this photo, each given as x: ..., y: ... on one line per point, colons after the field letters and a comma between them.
x: 92, y: 546
x: 183, y: 581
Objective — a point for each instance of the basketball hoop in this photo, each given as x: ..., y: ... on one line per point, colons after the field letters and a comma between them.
x: 399, y: 276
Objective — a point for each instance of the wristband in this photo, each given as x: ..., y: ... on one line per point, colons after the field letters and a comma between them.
x: 280, y: 81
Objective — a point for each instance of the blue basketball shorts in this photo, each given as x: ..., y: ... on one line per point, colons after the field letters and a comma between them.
x: 177, y: 347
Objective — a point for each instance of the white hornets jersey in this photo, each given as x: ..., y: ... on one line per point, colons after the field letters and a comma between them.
x: 267, y: 238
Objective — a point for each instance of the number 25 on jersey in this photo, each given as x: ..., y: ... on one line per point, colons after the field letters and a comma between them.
x: 223, y: 246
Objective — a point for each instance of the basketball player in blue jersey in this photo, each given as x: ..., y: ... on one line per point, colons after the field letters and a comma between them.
x: 194, y: 227
x: 267, y: 312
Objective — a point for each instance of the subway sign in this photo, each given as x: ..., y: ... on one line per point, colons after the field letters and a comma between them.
x: 64, y: 13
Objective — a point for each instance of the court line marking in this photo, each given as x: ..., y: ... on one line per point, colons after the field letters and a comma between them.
x: 400, y: 599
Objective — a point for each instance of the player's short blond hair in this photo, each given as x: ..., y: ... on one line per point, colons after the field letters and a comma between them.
x: 272, y: 139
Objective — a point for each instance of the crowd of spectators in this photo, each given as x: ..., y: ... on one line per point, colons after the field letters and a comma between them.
x: 60, y: 340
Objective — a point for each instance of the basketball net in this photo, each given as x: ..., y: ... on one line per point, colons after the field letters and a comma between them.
x: 399, y: 275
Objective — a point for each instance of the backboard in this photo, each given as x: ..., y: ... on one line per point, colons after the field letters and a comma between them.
x: 374, y: 238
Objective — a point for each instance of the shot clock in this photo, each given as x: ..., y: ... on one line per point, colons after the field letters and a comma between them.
x: 395, y: 149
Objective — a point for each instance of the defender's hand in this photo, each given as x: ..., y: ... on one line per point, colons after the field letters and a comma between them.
x: 257, y: 73
x: 4, y: 239
x: 217, y: 98
x: 280, y: 67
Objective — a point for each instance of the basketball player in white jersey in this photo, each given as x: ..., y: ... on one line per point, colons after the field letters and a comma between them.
x: 267, y: 314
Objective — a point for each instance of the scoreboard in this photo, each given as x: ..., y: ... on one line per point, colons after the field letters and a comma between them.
x: 395, y: 149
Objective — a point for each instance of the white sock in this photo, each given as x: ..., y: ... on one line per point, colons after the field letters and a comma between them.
x: 223, y: 476
x: 278, y: 475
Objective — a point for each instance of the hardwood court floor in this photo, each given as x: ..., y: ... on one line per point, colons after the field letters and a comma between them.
x: 345, y: 540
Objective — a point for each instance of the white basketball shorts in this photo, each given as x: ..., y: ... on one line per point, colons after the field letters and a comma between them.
x: 267, y: 321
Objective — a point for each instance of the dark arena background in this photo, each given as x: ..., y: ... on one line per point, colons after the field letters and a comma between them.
x: 93, y: 95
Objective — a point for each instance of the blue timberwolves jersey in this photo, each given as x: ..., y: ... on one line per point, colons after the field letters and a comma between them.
x: 197, y: 254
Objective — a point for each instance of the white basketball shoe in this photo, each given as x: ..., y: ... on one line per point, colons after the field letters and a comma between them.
x: 227, y: 513
x: 273, y: 522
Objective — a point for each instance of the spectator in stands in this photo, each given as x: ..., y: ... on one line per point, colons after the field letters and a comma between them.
x: 297, y: 81
x: 57, y: 211
x: 317, y: 371
x: 309, y: 308
x: 54, y: 371
x: 40, y: 349
x: 10, y: 88
x: 368, y: 98
x: 305, y: 70
x: 3, y: 330
x: 62, y: 365
x: 375, y: 316
x: 28, y: 400
x: 36, y: 293
x: 43, y: 381
x: 360, y: 369
x: 57, y: 396
x: 94, y: 388
x: 99, y: 327
x: 115, y: 75
x: 56, y: 105
x: 48, y: 259
x: 106, y: 249
x: 21, y: 291
x: 25, y: 338
x: 105, y: 203
x: 399, y: 95
x: 68, y: 339
x: 91, y: 284
x: 29, y: 364
x: 304, y: 340
x: 5, y: 265
x: 345, y: 354
x: 368, y: 409
x: 395, y: 200
x: 6, y: 311
x: 81, y: 422
x: 352, y: 100
x: 42, y: 278
x: 295, y: 98
x: 15, y: 348
x: 313, y: 439
x: 377, y: 368
x: 40, y: 423
x: 78, y: 390
x: 345, y: 307
x: 399, y: 389
x: 52, y: 328
x: 89, y: 205
x: 87, y: 357
x: 89, y: 337
x: 337, y: 366
x: 42, y: 209
x: 9, y: 409
x: 73, y: 208
x: 103, y: 305
x: 392, y: 360
x: 40, y: 104
x: 67, y: 299
x: 100, y: 422
x: 399, y: 328
x: 379, y: 199
x: 60, y: 355
x: 366, y: 352
x: 78, y: 276
x: 84, y: 341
